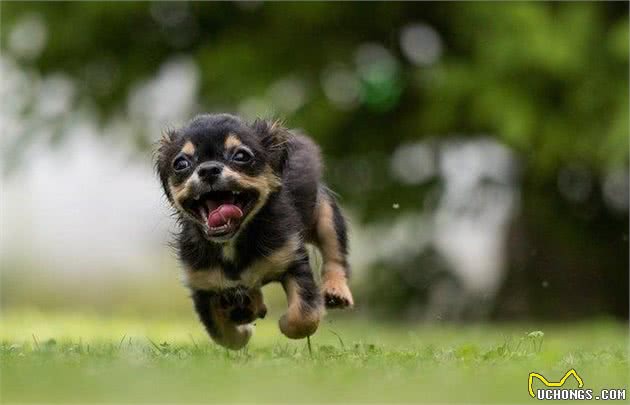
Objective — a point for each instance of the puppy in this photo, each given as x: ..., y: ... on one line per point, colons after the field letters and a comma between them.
x: 248, y: 198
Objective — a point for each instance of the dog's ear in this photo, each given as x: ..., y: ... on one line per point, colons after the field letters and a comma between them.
x: 161, y: 159
x: 275, y: 138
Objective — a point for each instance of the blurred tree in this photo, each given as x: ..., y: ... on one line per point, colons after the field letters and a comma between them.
x: 550, y: 80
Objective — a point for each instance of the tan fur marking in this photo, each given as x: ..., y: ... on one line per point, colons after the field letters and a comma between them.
x: 181, y: 192
x: 272, y: 265
x: 258, y: 303
x: 335, y: 283
x: 189, y: 148
x: 329, y: 244
x: 334, y: 280
x: 229, y: 251
x: 334, y: 274
x: 252, y: 277
x: 232, y: 141
x: 209, y: 280
x: 296, y: 324
x: 265, y: 184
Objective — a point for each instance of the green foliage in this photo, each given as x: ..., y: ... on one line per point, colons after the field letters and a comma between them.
x: 549, y: 79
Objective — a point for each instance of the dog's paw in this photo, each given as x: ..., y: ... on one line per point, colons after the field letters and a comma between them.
x: 336, y: 293
x: 243, y: 306
x: 234, y: 337
x: 299, y: 327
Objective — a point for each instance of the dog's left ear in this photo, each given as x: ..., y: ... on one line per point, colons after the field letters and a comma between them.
x: 274, y: 137
x: 160, y: 157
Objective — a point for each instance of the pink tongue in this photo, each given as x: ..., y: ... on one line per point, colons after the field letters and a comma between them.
x: 221, y: 215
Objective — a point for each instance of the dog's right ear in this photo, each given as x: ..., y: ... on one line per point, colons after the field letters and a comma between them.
x: 161, y: 158
x: 274, y: 137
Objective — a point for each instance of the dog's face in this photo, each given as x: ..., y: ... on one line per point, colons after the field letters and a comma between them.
x: 218, y: 171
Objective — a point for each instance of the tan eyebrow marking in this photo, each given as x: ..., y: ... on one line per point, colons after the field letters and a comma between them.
x: 232, y: 141
x: 189, y: 148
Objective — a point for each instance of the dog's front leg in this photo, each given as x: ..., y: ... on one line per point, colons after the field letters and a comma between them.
x: 305, y: 304
x: 217, y: 322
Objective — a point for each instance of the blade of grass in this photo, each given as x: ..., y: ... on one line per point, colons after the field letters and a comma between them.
x: 155, y: 345
x: 308, y: 343
x: 343, y: 346
x: 193, y: 341
x: 121, y: 341
x: 36, y: 342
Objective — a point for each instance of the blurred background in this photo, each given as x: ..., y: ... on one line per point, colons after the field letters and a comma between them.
x: 480, y: 149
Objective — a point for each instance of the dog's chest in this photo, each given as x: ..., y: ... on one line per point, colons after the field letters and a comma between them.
x: 254, y: 275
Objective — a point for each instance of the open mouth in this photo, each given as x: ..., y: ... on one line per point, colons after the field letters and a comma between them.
x: 221, y: 211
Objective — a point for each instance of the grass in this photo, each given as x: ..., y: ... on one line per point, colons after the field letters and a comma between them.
x: 61, y: 357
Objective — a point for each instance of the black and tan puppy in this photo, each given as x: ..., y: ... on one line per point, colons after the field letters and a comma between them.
x: 248, y: 198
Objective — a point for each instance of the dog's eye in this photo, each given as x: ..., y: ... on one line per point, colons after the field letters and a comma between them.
x: 181, y: 164
x: 242, y: 156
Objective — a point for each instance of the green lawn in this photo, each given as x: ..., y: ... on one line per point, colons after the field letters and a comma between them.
x: 61, y: 357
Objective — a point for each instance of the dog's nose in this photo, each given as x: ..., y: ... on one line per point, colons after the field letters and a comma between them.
x: 210, y: 171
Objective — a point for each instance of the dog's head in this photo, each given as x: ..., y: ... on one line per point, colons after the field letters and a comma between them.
x: 218, y: 171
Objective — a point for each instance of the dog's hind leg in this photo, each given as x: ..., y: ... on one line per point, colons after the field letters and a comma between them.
x: 332, y: 240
